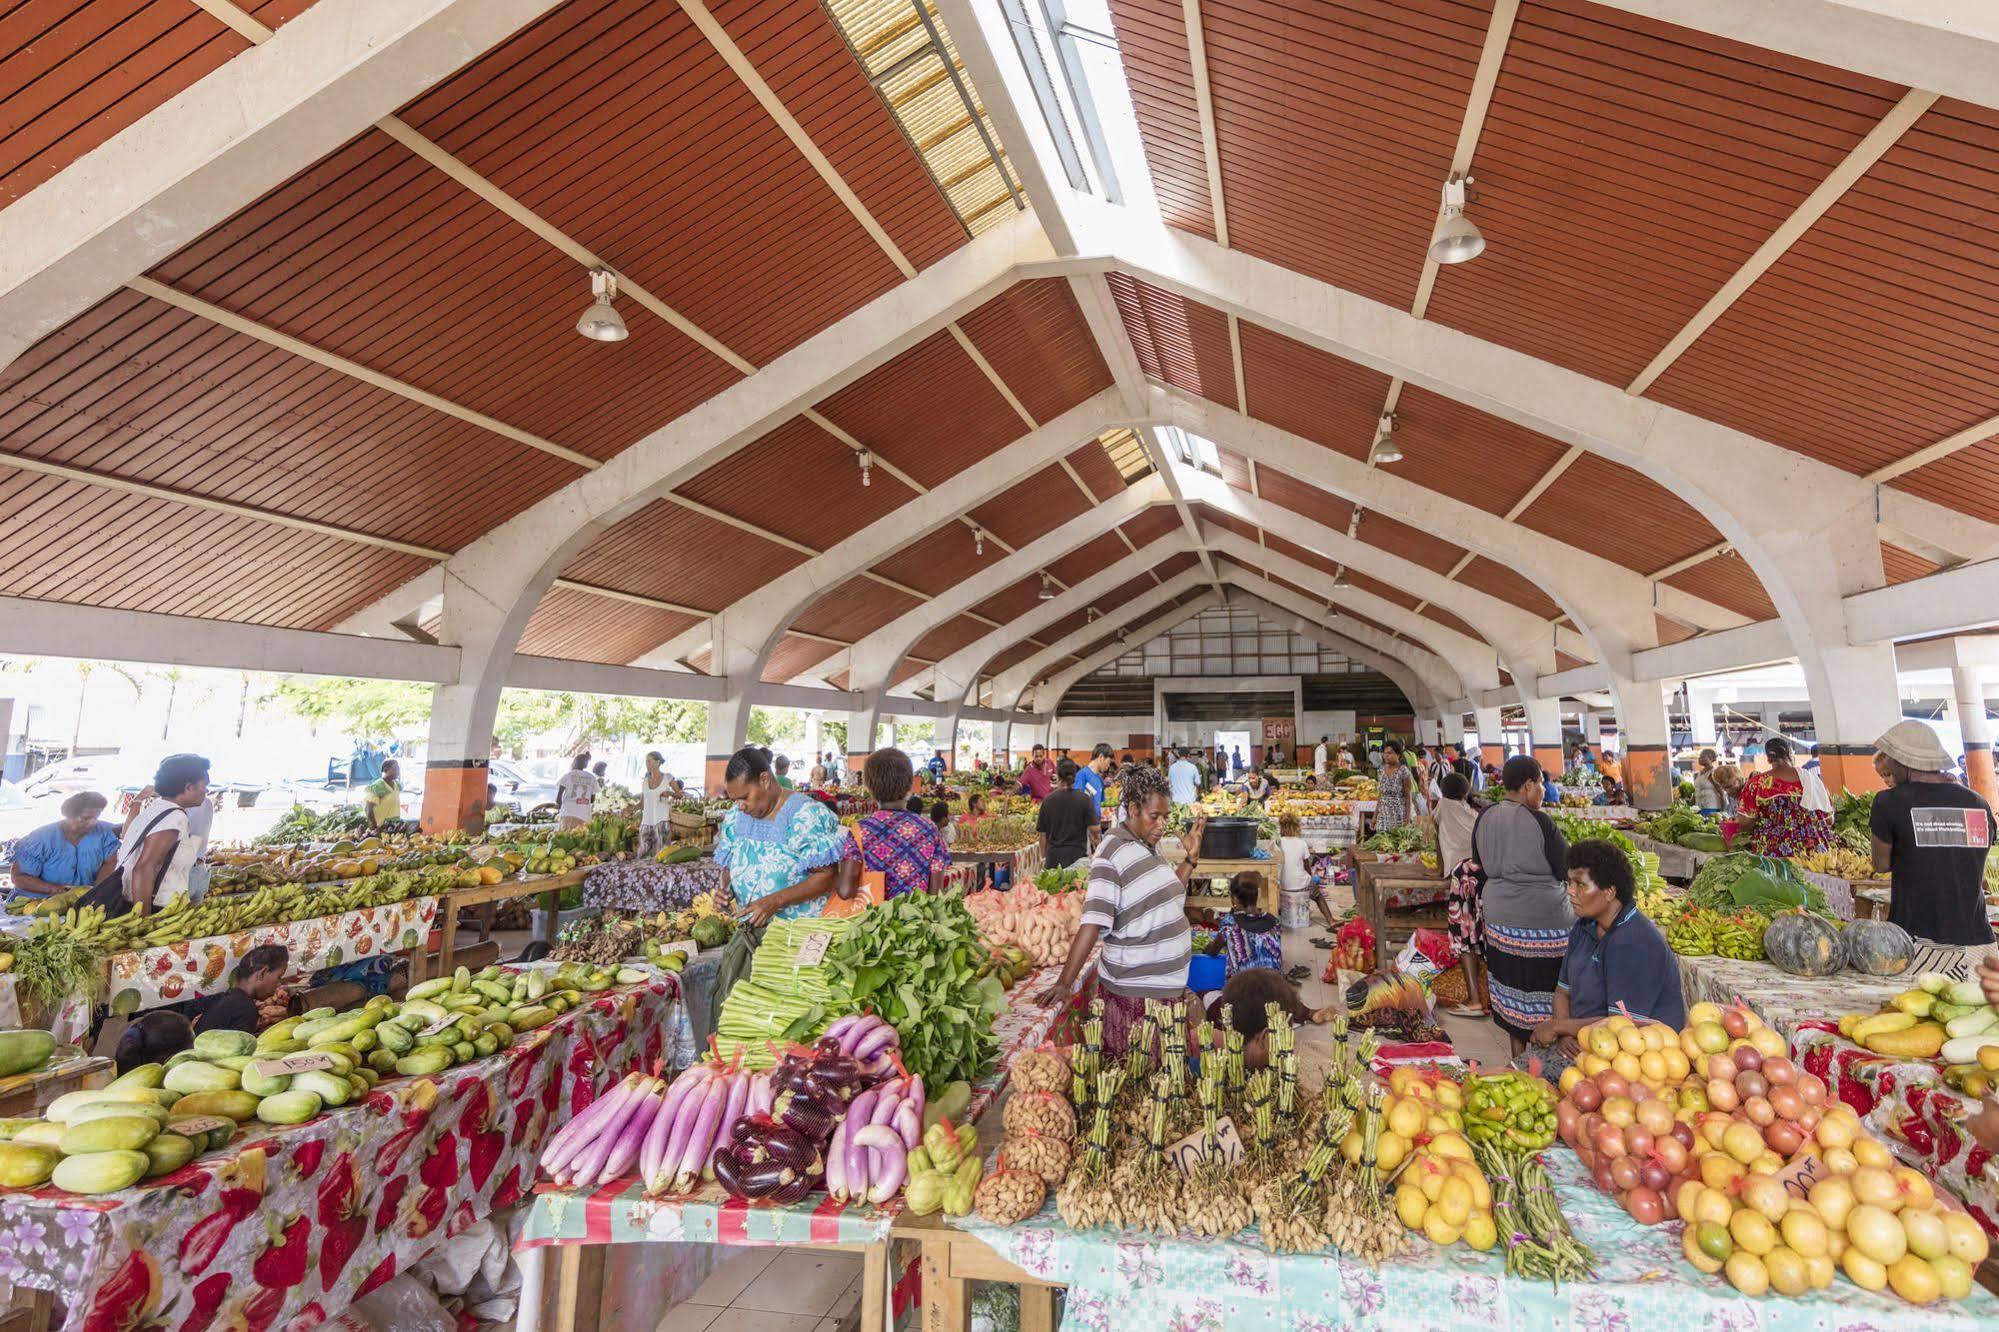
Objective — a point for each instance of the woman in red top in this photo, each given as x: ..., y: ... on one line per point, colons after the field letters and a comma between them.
x: 1773, y: 810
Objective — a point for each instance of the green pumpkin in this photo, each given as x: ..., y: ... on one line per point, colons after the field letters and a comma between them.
x: 1804, y: 944
x: 1878, y: 948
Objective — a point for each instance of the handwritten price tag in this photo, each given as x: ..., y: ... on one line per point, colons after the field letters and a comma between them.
x: 195, y: 1124
x: 305, y: 1061
x: 1798, y: 1177
x: 448, y: 1020
x: 1193, y: 1149
x: 813, y: 951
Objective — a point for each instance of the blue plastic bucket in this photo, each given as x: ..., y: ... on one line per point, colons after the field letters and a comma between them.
x: 1207, y: 973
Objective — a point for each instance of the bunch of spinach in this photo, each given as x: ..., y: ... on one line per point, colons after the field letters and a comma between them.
x: 918, y: 961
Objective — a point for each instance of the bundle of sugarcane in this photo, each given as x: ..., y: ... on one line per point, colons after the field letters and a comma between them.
x: 1085, y: 1198
x: 1145, y: 1185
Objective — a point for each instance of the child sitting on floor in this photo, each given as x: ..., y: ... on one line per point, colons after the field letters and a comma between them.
x: 1248, y: 936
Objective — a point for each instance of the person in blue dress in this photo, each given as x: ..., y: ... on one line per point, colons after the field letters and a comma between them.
x: 74, y: 852
x: 1248, y: 937
x: 779, y: 850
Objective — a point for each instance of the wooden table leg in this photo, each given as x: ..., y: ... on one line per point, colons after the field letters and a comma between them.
x: 1037, y: 1308
x: 946, y: 1299
x: 447, y: 937
x: 486, y: 915
x: 534, y: 1274
x: 579, y: 1291
x: 875, y: 1286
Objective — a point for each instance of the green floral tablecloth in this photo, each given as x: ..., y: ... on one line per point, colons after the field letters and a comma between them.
x: 1150, y: 1283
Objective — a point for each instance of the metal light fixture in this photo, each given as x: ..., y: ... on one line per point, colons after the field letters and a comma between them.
x: 867, y: 467
x: 978, y: 541
x: 601, y: 322
x: 1456, y: 238
x: 1385, y: 449
x: 1047, y: 589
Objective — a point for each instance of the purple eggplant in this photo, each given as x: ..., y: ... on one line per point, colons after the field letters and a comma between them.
x: 732, y: 1109
x: 625, y: 1152
x: 826, y: 1045
x: 917, y: 1094
x: 661, y: 1132
x: 908, y: 1121
x: 852, y: 1037
x: 760, y: 1181
x: 836, y: 1163
x: 760, y: 1094
x: 786, y: 1194
x: 883, y: 1114
x: 729, y: 1169
x: 892, y: 1165
x: 591, y: 1160
x: 575, y: 1136
x: 858, y: 1118
x: 807, y: 1113
x: 788, y: 1147
x: 875, y: 1042
x: 838, y: 1028
x: 700, y: 1141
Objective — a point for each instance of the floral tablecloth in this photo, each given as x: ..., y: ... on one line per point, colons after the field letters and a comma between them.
x: 195, y: 967
x: 1152, y: 1283
x: 647, y: 885
x: 1910, y: 1107
x: 620, y: 1213
x: 288, y: 1226
x: 1779, y: 998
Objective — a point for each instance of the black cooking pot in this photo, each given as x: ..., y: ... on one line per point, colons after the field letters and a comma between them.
x: 1229, y: 838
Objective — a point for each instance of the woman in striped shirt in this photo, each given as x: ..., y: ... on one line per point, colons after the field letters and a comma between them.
x: 1137, y: 904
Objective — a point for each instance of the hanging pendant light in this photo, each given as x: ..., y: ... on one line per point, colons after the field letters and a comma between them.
x: 1456, y: 238
x: 1386, y: 449
x: 601, y: 322
x: 978, y: 541
x: 867, y: 461
x: 1047, y: 589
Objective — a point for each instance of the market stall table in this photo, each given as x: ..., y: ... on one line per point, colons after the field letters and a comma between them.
x: 1779, y: 998
x: 25, y: 1094
x: 1381, y: 885
x: 1213, y: 868
x: 548, y: 886
x: 620, y: 1213
x: 1677, y: 863
x: 290, y: 1219
x: 649, y: 885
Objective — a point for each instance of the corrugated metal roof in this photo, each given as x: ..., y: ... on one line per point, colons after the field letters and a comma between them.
x: 931, y: 411
x: 1093, y: 462
x: 1468, y: 454
x: 74, y: 73
x: 957, y: 632
x: 669, y: 169
x: 1152, y: 39
x: 674, y: 554
x: 1626, y: 169
x: 1901, y: 565
x: 568, y: 623
x: 1876, y: 333
x: 1727, y: 580
x: 84, y: 544
x: 801, y: 483
x: 1302, y: 497
x: 1335, y: 122
x: 940, y: 114
x: 1322, y: 398
x: 1612, y: 511
x: 1176, y: 340
x: 1034, y: 337
x: 142, y: 390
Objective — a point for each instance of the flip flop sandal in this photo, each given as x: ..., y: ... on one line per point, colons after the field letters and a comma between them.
x: 1326, y: 944
x: 1297, y: 974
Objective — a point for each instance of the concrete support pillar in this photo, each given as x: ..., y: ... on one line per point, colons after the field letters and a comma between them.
x: 728, y: 731
x: 1453, y: 728
x: 1429, y: 731
x: 1861, y: 693
x: 815, y: 735
x: 1002, y: 743
x: 1544, y: 729
x: 1968, y: 701
x: 947, y: 740
x: 862, y: 724
x: 1491, y: 733
x: 1646, y: 733
x: 1700, y: 715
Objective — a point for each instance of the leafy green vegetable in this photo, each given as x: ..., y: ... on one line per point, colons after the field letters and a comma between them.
x: 917, y: 961
x: 1408, y: 837
x: 1671, y: 824
x: 1740, y: 879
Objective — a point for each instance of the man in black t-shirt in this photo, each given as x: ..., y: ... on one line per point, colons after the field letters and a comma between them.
x: 1065, y: 820
x: 1932, y: 836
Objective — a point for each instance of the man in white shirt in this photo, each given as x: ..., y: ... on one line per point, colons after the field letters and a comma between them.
x: 1184, y: 780
x: 1319, y: 758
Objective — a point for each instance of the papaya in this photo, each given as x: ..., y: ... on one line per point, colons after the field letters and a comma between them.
x: 1921, y: 1041
x: 113, y: 1133
x: 41, y: 1133
x: 223, y: 1044
x: 258, y: 1084
x: 236, y: 1105
x: 25, y: 1165
x: 83, y: 1114
x: 168, y: 1153
x: 292, y: 1107
x: 60, y: 1109
x: 23, y: 1051
x: 424, y: 1062
x: 145, y: 1075
x: 101, y: 1172
x: 199, y: 1077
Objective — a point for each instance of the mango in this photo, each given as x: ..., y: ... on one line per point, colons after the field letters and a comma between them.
x: 24, y: 1165
x: 42, y: 1133
x: 292, y: 1107
x: 101, y: 1172
x: 83, y: 1114
x: 224, y: 1044
x: 168, y: 1153
x: 198, y: 1077
x: 257, y: 1084
x: 237, y: 1105
x: 115, y: 1133
x: 60, y: 1109
x: 1921, y: 1041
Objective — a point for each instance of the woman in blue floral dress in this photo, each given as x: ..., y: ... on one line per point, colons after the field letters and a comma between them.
x: 779, y: 850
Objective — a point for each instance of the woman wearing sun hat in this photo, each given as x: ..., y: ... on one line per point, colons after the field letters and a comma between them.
x: 1931, y: 835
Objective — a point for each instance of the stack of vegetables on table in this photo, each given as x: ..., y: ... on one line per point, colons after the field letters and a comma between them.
x: 918, y: 961
x: 1039, y: 925
x: 1683, y: 826
x: 995, y: 833
x: 1938, y: 1018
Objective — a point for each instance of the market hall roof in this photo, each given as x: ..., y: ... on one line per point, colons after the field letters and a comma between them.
x: 322, y: 389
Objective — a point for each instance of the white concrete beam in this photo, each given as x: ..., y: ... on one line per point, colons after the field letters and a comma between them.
x: 1966, y: 597
x: 1008, y: 686
x: 59, y: 629
x: 590, y: 677
x: 248, y: 126
x: 1048, y: 696
x: 1406, y: 680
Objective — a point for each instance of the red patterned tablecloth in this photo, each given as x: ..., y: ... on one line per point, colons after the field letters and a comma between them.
x: 1907, y: 1104
x: 288, y: 1226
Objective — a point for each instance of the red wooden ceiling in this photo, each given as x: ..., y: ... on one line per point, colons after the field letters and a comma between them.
x: 567, y: 623
x: 763, y: 483
x: 1097, y: 470
x: 1177, y: 341
x: 1411, y: 543
x: 793, y: 655
x: 1625, y: 171
x: 1010, y: 658
x: 931, y: 411
x: 936, y: 563
x: 74, y: 73
x: 1444, y: 617
x: 1032, y: 508
x: 1011, y: 602
x: 1152, y: 39
x: 1089, y: 558
x: 854, y: 609
x: 1901, y: 565
x: 1386, y: 591
x: 1034, y: 337
x: 1727, y: 581
x: 85, y: 544
x: 1609, y: 510
x: 959, y: 631
x: 1876, y: 333
x: 1150, y: 525
x: 1312, y: 394
x: 673, y: 554
x: 1483, y: 460
x: 1279, y: 546
x: 1672, y: 631
x: 1302, y: 497
x: 1504, y: 583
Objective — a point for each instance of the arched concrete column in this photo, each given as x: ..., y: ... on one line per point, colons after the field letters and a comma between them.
x: 1647, y: 741
x: 1522, y: 638
x: 1544, y: 729
x: 1406, y: 680
x: 1439, y: 676
x: 1968, y: 703
x: 1007, y: 686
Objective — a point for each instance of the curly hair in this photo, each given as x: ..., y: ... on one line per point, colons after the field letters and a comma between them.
x: 888, y: 775
x: 1141, y: 784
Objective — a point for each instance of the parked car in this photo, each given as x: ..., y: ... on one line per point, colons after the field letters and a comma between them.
x: 516, y: 785
x: 21, y: 815
x: 120, y: 777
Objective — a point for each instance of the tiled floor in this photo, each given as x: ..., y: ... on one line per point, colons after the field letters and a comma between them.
x: 775, y: 1290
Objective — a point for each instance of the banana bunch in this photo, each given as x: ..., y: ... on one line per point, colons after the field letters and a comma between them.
x: 1692, y: 933
x: 1741, y: 937
x: 1655, y: 905
x: 1839, y: 861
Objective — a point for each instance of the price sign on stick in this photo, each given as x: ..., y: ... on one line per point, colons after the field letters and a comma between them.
x: 813, y: 951
x: 1193, y: 1149
x: 448, y: 1020
x: 305, y: 1061
x: 189, y: 1126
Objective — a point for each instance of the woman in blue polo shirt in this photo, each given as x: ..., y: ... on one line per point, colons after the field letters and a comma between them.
x: 75, y: 852
x: 1617, y: 959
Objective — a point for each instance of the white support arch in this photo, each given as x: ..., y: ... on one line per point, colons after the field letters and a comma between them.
x: 1406, y: 680
x: 1048, y: 696
x: 1006, y: 688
